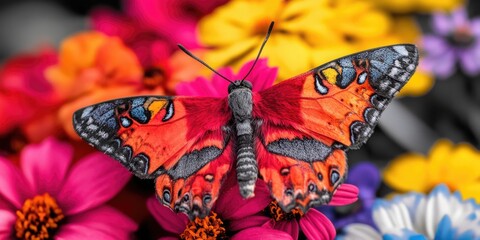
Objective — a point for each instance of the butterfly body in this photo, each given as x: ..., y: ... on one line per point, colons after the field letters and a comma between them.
x: 240, y: 100
x: 293, y: 135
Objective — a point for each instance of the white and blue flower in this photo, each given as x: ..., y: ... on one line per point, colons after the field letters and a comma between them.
x: 438, y: 215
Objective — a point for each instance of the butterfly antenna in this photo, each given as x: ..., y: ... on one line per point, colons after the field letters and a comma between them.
x: 202, y: 62
x: 270, y: 28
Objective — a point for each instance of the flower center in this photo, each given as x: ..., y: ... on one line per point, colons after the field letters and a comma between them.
x: 261, y: 26
x: 38, y: 218
x: 277, y: 214
x: 210, y: 227
x: 462, y: 37
x: 153, y: 77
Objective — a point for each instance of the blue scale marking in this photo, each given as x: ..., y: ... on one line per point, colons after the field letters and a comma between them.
x: 139, y: 114
x: 348, y: 75
x: 138, y: 102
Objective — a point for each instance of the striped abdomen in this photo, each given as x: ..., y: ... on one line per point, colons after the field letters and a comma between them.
x: 247, y: 169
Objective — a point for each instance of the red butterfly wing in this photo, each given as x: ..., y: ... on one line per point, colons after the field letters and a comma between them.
x: 307, y: 122
x: 181, y: 141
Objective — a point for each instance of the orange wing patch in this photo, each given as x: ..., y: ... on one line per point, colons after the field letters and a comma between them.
x: 308, y: 122
x: 301, y: 184
x: 158, y: 137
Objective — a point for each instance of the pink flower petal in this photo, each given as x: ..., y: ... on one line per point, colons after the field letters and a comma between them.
x: 231, y: 205
x: 45, y: 165
x: 99, y: 223
x: 247, y: 222
x: 169, y: 221
x: 289, y: 226
x: 92, y: 181
x: 7, y: 222
x: 345, y: 194
x: 262, y: 233
x: 315, y: 225
x: 13, y: 186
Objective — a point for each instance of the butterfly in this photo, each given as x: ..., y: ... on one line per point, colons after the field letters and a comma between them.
x: 293, y: 135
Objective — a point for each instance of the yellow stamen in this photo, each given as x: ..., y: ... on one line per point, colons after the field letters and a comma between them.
x: 277, y: 214
x: 38, y: 219
x: 209, y: 228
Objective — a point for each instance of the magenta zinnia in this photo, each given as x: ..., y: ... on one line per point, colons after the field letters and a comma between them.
x: 261, y: 77
x: 47, y: 198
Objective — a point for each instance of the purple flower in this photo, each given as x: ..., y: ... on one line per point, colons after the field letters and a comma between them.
x: 367, y: 178
x: 455, y: 38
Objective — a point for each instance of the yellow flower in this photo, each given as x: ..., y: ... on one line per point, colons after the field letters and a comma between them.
x: 305, y: 32
x: 457, y: 166
x: 406, y: 6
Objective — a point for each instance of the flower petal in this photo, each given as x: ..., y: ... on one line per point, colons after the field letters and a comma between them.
x: 442, y: 24
x: 360, y: 231
x: 240, y: 208
x: 13, y: 186
x: 471, y: 190
x: 289, y: 226
x: 247, y: 222
x: 391, y: 216
x: 231, y: 205
x: 93, y: 181
x: 469, y: 61
x: 407, y: 173
x: 345, y: 194
x: 7, y: 223
x: 45, y: 165
x: 262, y: 233
x: 316, y: 226
x: 99, y: 223
x: 168, y: 220
x: 436, y: 207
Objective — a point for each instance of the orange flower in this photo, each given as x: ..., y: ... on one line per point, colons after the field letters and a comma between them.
x: 93, y: 68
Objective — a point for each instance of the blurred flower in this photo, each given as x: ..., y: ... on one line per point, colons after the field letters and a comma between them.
x: 439, y: 215
x: 341, y: 28
x: 152, y: 29
x: 234, y: 41
x: 149, y: 46
x: 261, y: 77
x: 48, y: 197
x: 455, y: 38
x: 176, y: 20
x: 94, y: 67
x: 367, y: 178
x: 424, y: 6
x: 230, y: 211
x: 26, y: 97
x: 456, y: 166
x: 313, y: 224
